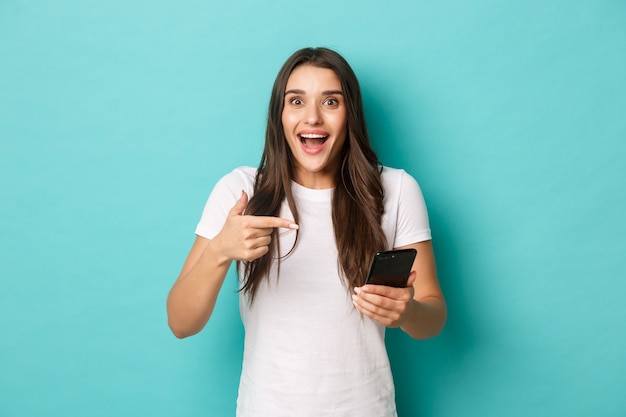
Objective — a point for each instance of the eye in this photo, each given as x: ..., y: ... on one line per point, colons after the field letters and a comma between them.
x: 331, y: 102
x: 296, y: 101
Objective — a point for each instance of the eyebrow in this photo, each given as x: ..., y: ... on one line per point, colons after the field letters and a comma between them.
x: 324, y: 93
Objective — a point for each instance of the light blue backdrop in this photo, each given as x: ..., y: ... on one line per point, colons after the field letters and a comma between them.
x: 116, y: 118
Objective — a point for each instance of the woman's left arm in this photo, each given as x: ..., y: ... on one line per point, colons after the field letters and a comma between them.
x: 419, y: 309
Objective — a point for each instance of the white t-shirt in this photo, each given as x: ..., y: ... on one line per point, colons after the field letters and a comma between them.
x: 307, y: 351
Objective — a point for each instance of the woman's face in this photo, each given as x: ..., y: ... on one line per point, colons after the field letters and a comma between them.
x: 314, y: 121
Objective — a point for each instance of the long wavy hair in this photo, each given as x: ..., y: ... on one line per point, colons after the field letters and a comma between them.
x: 357, y: 202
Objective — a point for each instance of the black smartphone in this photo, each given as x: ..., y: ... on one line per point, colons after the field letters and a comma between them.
x: 391, y: 268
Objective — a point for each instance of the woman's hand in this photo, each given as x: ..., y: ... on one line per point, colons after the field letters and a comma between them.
x: 419, y: 309
x: 193, y: 296
x: 387, y: 305
x: 244, y: 237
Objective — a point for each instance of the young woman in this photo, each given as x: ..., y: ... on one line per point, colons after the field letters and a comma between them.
x: 303, y: 228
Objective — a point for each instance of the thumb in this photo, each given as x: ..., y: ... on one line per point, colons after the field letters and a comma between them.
x: 240, y: 205
x: 411, y: 280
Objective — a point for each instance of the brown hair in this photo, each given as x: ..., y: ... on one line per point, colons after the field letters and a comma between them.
x: 357, y: 204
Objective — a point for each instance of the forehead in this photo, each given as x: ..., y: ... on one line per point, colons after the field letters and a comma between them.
x: 313, y: 79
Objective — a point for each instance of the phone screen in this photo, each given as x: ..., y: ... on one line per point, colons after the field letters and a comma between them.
x: 391, y: 268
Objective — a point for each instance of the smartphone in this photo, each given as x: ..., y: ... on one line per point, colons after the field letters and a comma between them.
x: 391, y: 268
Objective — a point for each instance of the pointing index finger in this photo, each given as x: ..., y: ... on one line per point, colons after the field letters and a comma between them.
x: 269, y: 221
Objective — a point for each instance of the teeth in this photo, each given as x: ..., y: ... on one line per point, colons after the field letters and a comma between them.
x: 312, y: 136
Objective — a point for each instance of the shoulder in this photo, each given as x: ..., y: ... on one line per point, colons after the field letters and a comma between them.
x: 241, y: 178
x: 242, y: 173
x: 395, y: 179
x: 390, y: 174
x: 405, y: 219
x: 400, y: 186
x: 225, y: 194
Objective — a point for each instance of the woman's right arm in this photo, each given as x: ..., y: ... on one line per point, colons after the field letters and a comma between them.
x: 192, y: 297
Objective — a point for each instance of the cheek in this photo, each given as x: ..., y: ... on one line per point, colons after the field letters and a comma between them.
x: 288, y: 122
x: 341, y: 123
x: 340, y: 118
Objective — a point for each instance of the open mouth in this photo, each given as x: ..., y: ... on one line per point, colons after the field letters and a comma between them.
x: 312, y: 140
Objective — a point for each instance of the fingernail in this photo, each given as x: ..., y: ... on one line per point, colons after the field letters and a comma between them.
x: 357, y: 290
x: 294, y: 226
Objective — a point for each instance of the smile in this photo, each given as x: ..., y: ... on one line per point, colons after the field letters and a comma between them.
x: 311, y: 140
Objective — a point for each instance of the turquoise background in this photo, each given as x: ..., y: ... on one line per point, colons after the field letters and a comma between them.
x: 117, y: 117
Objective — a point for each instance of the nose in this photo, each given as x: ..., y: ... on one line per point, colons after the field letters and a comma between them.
x: 313, y: 115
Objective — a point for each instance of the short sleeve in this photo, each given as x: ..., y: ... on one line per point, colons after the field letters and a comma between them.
x: 223, y: 197
x: 413, y: 224
x: 406, y: 216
